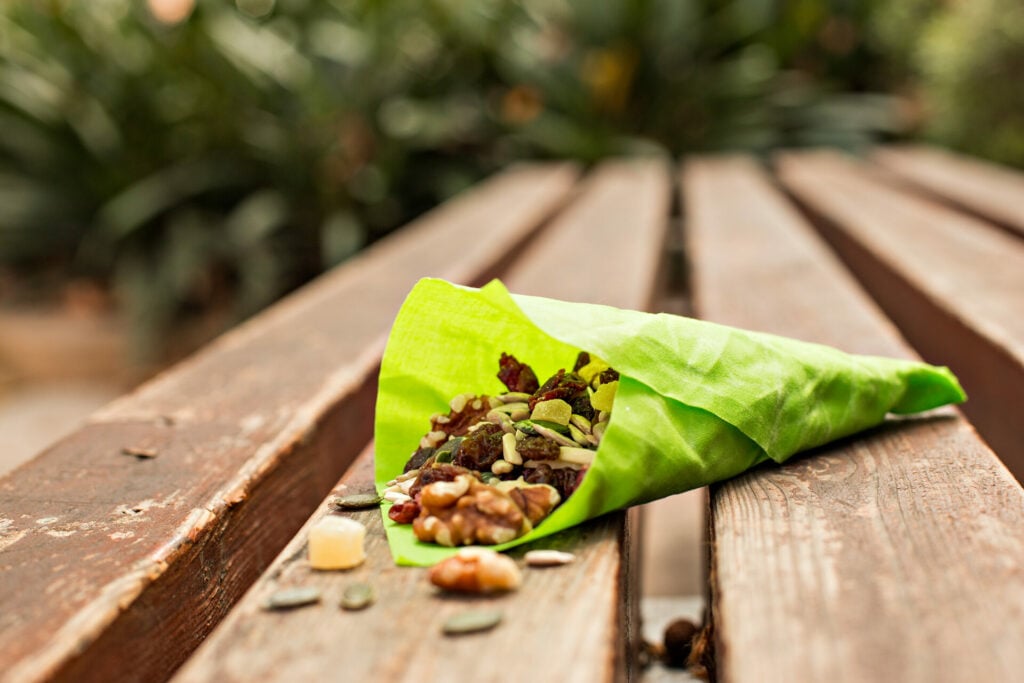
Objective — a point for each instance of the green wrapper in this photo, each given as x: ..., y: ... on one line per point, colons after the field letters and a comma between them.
x: 697, y: 402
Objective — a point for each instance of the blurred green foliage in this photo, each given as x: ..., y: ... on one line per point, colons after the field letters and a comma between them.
x: 198, y: 155
x: 962, y: 65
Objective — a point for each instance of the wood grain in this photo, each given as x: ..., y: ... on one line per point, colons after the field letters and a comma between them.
x: 893, y: 556
x: 115, y: 568
x: 954, y: 284
x: 572, y: 623
x: 991, y: 191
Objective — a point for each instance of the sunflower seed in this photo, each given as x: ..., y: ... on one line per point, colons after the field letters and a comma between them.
x: 358, y: 596
x: 289, y: 598
x: 356, y: 501
x: 471, y: 622
x: 548, y: 558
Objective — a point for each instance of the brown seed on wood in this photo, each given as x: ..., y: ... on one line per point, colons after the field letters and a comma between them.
x: 679, y: 642
x: 139, y: 452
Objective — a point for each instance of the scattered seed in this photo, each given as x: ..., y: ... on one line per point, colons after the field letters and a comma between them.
x: 356, y: 501
x: 289, y: 598
x: 139, y: 452
x: 471, y: 622
x: 358, y: 596
x: 396, y: 497
x: 548, y: 558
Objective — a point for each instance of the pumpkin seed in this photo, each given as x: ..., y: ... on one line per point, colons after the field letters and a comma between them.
x: 471, y: 622
x: 289, y: 598
x: 358, y: 596
x: 356, y: 501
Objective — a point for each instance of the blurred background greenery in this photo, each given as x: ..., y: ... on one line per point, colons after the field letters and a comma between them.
x: 186, y: 162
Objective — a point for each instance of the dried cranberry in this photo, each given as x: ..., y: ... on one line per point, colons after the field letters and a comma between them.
x: 515, y: 375
x: 567, y: 386
x: 481, y: 448
x: 404, y: 513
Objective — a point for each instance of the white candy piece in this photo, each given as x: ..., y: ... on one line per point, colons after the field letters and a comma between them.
x: 336, y: 543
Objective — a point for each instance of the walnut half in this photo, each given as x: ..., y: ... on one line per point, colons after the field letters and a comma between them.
x: 467, y: 511
x: 476, y: 570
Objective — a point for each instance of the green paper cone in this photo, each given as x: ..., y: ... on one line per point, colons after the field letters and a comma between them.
x: 697, y: 402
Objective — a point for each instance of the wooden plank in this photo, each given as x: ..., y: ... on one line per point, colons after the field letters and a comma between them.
x: 894, y: 555
x: 988, y: 190
x: 954, y: 284
x: 570, y: 624
x: 104, y: 554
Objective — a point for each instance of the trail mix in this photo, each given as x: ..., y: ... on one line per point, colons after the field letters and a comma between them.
x: 495, y: 466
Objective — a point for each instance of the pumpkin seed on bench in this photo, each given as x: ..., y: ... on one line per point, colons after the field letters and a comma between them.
x: 471, y: 622
x: 356, y: 501
x: 290, y: 598
x: 358, y: 596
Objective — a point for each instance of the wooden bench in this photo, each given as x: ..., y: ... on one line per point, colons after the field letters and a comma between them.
x: 892, y: 556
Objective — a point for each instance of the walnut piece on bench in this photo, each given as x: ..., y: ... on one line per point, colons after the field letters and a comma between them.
x: 466, y: 511
x: 476, y: 570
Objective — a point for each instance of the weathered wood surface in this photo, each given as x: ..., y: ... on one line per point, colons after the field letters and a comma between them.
x: 986, y: 189
x: 115, y: 568
x: 953, y: 284
x: 573, y: 623
x: 894, y: 556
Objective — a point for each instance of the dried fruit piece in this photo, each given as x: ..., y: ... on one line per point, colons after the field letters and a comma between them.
x: 548, y: 558
x: 481, y: 448
x: 604, y: 396
x: 336, y: 543
x: 678, y: 641
x: 471, y: 622
x: 290, y: 598
x: 476, y: 570
x: 358, y: 596
x: 518, y: 377
x: 556, y: 410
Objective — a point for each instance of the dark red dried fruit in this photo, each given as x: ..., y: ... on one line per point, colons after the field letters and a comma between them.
x: 564, y: 480
x: 404, y: 513
x: 515, y: 375
x: 567, y: 386
x: 458, y: 424
x: 418, y: 459
x: 436, y: 473
x: 608, y: 375
x: 538, y: 448
x: 481, y: 448
x: 581, y: 360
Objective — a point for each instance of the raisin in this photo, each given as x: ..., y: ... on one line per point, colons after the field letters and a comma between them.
x: 538, y: 448
x: 581, y: 360
x: 515, y: 375
x: 436, y: 473
x: 567, y: 386
x: 581, y: 406
x: 404, y: 513
x: 564, y: 480
x: 419, y: 458
x: 458, y: 424
x: 608, y: 375
x: 481, y: 448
